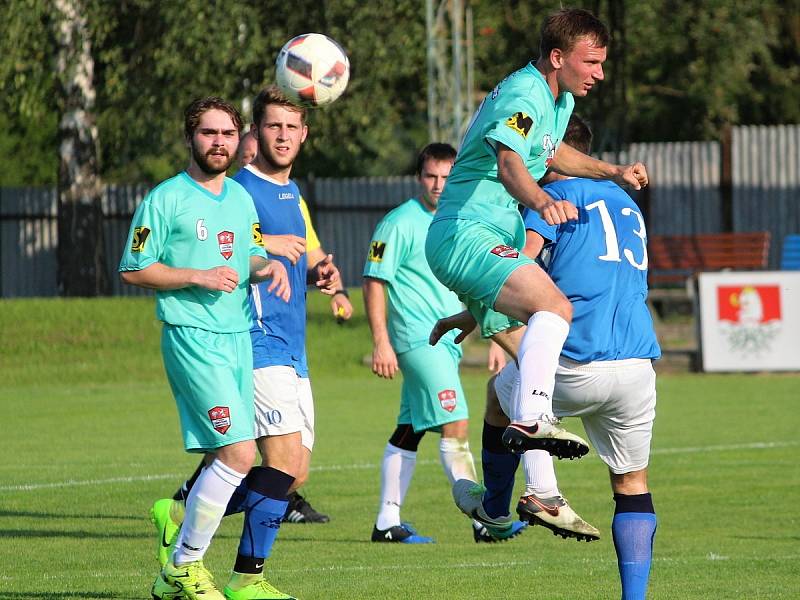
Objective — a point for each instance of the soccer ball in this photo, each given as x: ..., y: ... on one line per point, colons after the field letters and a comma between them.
x: 312, y: 70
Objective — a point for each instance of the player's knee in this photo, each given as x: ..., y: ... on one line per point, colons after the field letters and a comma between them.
x: 405, y: 438
x: 563, y: 308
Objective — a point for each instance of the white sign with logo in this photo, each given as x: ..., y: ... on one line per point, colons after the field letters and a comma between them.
x: 750, y: 321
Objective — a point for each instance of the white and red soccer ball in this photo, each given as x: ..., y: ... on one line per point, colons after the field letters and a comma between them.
x: 312, y: 70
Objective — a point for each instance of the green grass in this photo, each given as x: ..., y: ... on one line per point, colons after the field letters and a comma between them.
x: 91, y: 439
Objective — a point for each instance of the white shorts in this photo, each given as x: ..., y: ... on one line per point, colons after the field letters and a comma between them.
x: 615, y: 399
x: 284, y: 403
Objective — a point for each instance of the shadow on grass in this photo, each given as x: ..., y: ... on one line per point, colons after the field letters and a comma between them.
x: 54, y: 515
x: 64, y: 595
x: 78, y: 535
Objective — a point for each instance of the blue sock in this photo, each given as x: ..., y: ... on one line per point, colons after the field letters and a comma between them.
x: 633, y: 529
x: 264, y: 507
x: 499, y: 468
x: 237, y: 502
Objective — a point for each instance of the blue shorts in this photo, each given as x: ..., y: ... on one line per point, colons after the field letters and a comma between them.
x: 432, y: 395
x: 211, y: 376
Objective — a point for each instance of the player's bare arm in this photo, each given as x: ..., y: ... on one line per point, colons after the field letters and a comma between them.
x: 340, y: 302
x: 533, y: 244
x: 263, y: 270
x: 572, y: 162
x: 384, y: 359
x: 324, y: 274
x: 516, y: 178
x: 286, y: 245
x: 463, y: 321
x: 159, y: 276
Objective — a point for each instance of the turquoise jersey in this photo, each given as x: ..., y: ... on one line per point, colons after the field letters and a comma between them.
x: 416, y: 298
x: 181, y: 224
x: 522, y: 114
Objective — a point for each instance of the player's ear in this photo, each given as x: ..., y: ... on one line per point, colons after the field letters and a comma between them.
x: 305, y: 133
x: 556, y: 58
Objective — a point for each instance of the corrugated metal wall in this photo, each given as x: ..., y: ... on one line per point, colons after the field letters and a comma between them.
x: 766, y: 182
x: 684, y: 198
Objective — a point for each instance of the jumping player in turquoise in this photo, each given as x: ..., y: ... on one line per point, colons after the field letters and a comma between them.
x: 474, y: 242
x: 196, y: 240
x: 605, y: 374
x: 432, y: 398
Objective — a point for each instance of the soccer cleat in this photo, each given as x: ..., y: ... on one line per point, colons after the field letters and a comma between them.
x: 167, y: 516
x: 545, y: 434
x: 258, y: 590
x: 468, y: 496
x: 300, y: 511
x: 557, y: 515
x: 482, y: 535
x: 403, y: 534
x: 191, y: 581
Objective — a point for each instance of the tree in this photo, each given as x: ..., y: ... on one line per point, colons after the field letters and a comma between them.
x: 81, y: 254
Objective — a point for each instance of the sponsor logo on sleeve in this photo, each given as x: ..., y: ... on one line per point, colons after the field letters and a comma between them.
x: 447, y: 398
x: 521, y: 123
x: 225, y: 239
x: 376, y: 250
x: 505, y: 251
x: 220, y: 418
x: 140, y: 235
x: 258, y: 239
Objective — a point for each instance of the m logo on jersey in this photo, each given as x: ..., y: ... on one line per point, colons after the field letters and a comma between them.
x: 505, y: 252
x: 225, y: 239
x: 549, y: 148
x: 140, y: 235
x: 447, y: 398
x: 258, y: 239
x: 220, y: 418
x: 376, y: 250
x: 521, y: 123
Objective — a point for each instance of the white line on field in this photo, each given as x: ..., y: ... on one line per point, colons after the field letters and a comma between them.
x: 367, y: 466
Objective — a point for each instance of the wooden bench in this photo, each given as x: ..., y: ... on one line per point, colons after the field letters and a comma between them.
x: 675, y: 258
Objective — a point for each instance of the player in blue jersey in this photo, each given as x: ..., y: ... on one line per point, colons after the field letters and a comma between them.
x: 195, y: 239
x: 474, y: 242
x: 605, y: 374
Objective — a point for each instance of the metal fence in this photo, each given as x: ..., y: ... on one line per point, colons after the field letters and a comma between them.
x: 686, y: 196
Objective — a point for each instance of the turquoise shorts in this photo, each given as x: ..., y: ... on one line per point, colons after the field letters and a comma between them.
x: 432, y: 395
x: 211, y: 375
x: 474, y: 260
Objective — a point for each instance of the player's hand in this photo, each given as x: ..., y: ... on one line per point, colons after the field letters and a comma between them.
x: 275, y: 271
x: 328, y: 279
x: 634, y: 175
x: 341, y: 307
x: 497, y: 358
x: 384, y: 360
x: 463, y: 321
x: 289, y: 246
x: 557, y: 212
x: 218, y: 279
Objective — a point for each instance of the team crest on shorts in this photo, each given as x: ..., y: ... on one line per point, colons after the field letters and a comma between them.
x: 225, y: 239
x: 447, y: 398
x: 220, y: 418
x: 505, y: 251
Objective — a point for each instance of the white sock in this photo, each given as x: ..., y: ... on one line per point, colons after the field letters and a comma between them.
x: 540, y: 474
x: 538, y: 360
x: 396, y: 471
x: 205, y: 508
x: 457, y: 460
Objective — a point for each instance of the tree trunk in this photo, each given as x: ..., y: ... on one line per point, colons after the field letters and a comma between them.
x: 81, y: 255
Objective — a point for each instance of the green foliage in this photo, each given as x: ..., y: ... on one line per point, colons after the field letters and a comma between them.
x: 676, y: 70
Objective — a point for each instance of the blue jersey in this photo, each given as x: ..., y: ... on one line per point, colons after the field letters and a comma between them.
x: 600, y: 263
x: 279, y: 328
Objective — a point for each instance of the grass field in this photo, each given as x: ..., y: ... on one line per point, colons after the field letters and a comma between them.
x: 91, y: 439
